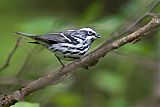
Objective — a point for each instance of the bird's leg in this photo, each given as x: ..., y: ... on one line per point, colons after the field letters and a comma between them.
x: 60, y: 61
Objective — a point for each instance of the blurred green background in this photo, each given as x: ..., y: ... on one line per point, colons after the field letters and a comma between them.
x: 123, y: 78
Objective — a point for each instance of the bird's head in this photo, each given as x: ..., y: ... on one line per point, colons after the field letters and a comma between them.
x: 90, y: 34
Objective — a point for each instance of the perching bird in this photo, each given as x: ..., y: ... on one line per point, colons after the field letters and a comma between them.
x: 67, y: 45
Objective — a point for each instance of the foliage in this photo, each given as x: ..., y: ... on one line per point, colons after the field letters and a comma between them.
x: 25, y: 104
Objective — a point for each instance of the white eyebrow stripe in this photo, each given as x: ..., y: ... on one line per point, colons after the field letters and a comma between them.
x: 88, y: 29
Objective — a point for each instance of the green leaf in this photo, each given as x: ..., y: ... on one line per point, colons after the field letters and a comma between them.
x: 26, y: 104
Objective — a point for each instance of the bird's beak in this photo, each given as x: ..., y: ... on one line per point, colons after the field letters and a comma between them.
x: 98, y: 36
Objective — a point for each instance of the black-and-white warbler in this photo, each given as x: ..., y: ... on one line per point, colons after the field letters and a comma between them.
x: 67, y: 45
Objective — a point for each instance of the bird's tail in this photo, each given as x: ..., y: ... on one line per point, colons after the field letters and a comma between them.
x: 37, y: 38
x: 33, y: 36
x: 26, y: 34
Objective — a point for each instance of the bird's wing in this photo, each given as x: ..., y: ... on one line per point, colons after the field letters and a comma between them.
x: 53, y: 38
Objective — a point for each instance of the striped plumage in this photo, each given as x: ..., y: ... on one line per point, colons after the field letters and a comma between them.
x: 67, y: 45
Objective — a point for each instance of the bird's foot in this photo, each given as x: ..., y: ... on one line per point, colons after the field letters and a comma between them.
x: 86, y: 67
x: 62, y: 66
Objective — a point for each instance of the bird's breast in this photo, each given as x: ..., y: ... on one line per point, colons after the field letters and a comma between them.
x: 69, y: 51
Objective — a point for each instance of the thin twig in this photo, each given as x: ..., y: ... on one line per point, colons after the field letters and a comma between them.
x: 116, y: 35
x: 27, y: 62
x: 151, y: 9
x: 9, y: 58
x: 53, y: 77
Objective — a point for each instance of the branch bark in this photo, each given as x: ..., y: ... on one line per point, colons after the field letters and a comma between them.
x: 53, y: 77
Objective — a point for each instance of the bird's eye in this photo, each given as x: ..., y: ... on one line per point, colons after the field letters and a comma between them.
x: 90, y: 32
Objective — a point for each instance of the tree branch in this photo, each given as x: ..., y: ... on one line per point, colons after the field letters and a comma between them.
x: 9, y: 58
x: 70, y: 68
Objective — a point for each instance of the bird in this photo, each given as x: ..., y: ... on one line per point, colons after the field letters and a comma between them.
x: 67, y: 45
